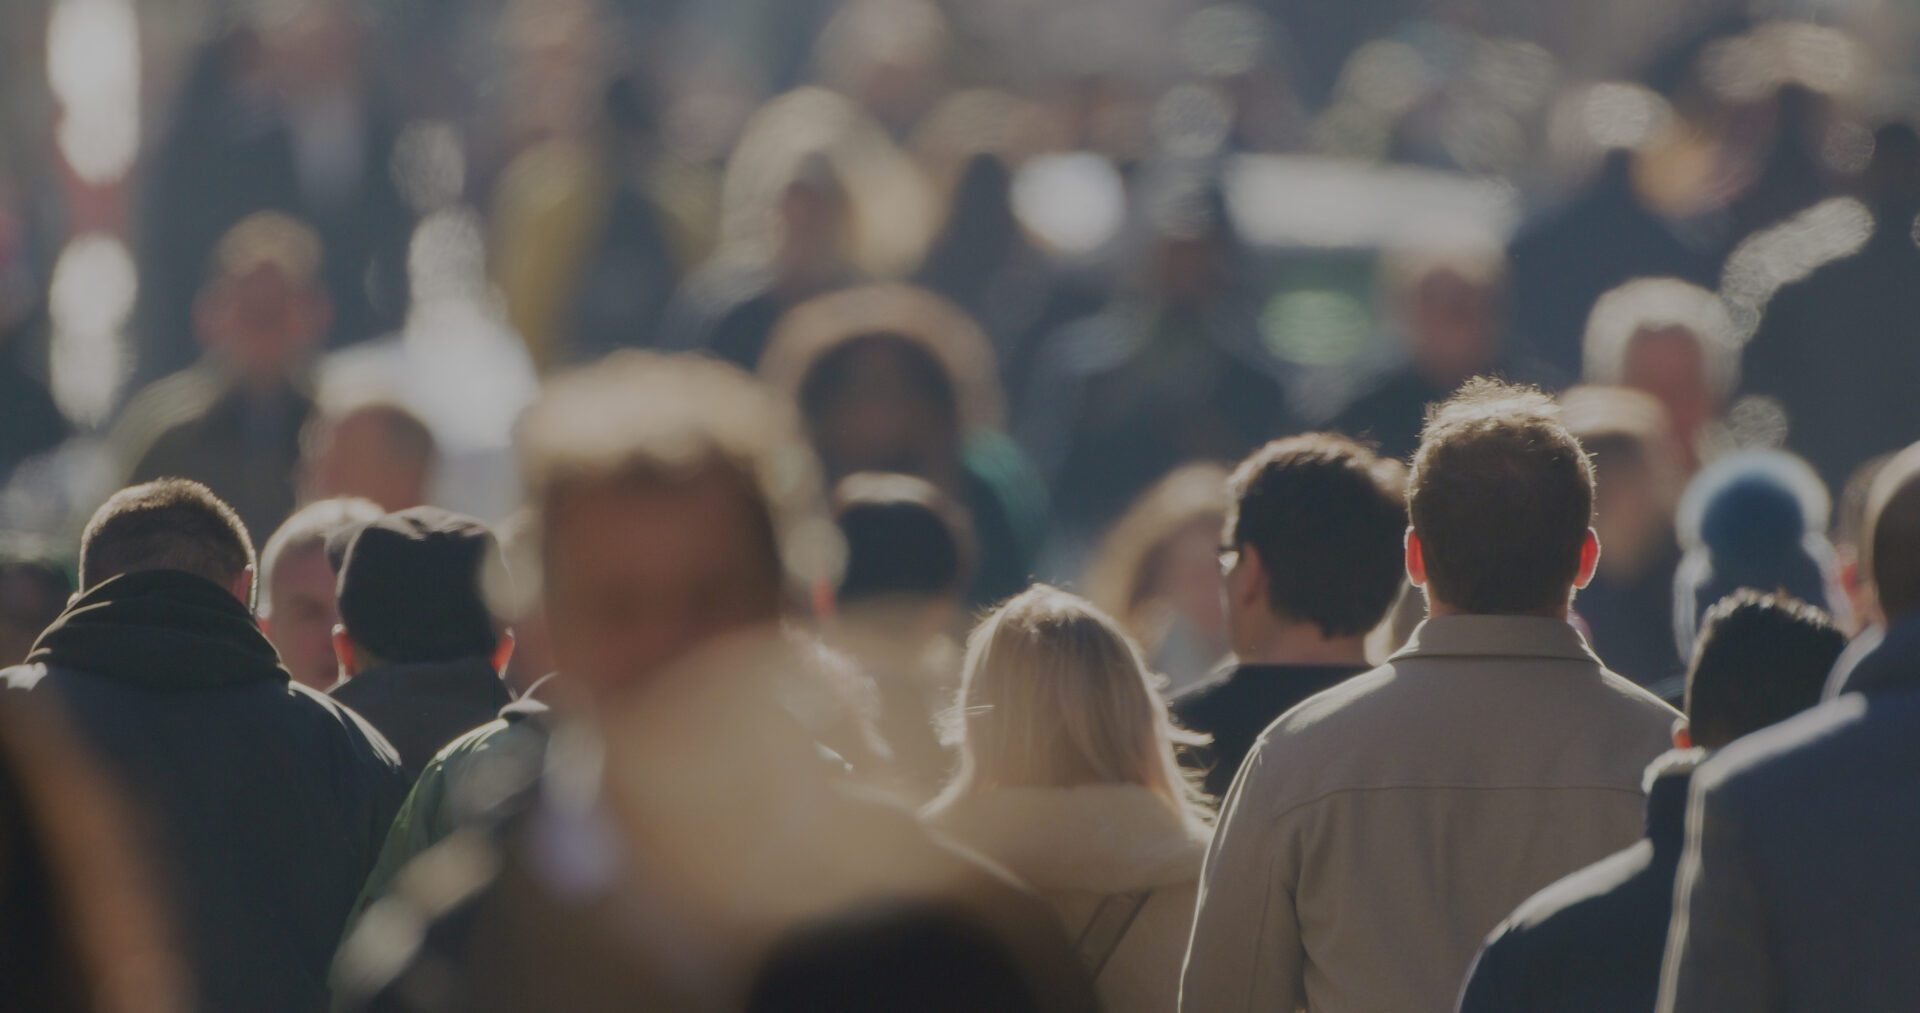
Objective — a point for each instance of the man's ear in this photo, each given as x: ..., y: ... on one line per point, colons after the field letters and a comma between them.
x: 502, y: 651
x: 1589, y: 559
x: 1247, y: 582
x: 1416, y: 560
x: 1682, y: 735
x: 242, y: 588
x: 343, y: 651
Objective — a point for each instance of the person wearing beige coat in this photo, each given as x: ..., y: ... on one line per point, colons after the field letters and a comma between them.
x: 1380, y: 829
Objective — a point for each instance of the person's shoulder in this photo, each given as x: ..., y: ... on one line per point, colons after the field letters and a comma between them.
x: 1761, y: 766
x: 1203, y: 701
x: 1568, y: 905
x: 1326, y: 726
x: 1632, y: 699
x: 354, y: 733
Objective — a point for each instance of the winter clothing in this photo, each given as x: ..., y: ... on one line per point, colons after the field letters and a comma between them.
x: 476, y: 780
x: 410, y: 588
x: 1236, y: 709
x: 421, y: 707
x: 1378, y: 831
x: 1796, y: 888
x: 1594, y: 940
x: 1082, y: 847
x: 267, y: 800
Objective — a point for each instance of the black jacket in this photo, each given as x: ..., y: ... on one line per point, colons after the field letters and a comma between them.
x: 1803, y: 859
x: 422, y: 707
x: 1236, y: 709
x: 1594, y: 940
x: 267, y: 802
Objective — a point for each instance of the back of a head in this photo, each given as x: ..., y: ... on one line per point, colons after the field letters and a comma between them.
x: 412, y: 587
x: 906, y: 540
x: 1055, y: 694
x: 1893, y: 535
x: 1501, y: 497
x: 1760, y: 659
x: 311, y: 528
x: 166, y: 524
x: 1754, y: 520
x: 1326, y: 516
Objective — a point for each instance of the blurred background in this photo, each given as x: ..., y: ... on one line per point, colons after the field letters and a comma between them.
x: 1140, y: 235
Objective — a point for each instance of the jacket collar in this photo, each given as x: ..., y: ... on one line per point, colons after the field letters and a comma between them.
x: 161, y: 629
x: 1879, y: 661
x: 1478, y: 636
x: 1668, y: 778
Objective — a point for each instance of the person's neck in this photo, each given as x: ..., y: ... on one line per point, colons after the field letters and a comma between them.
x: 1304, y: 644
x: 1437, y: 609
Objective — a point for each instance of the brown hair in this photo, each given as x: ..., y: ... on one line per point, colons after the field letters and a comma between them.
x: 1893, y: 533
x: 166, y: 524
x: 1501, y: 497
x: 1326, y: 516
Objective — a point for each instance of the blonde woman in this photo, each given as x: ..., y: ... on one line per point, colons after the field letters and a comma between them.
x: 1068, y: 778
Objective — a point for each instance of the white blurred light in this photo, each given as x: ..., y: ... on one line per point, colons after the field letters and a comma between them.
x: 1788, y: 252
x: 429, y: 166
x: 1616, y: 114
x: 89, y: 300
x: 93, y: 68
x: 1072, y: 203
x: 1192, y: 120
x: 1224, y: 41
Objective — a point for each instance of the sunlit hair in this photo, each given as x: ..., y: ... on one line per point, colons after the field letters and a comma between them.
x: 890, y: 210
x: 1659, y: 304
x: 308, y: 530
x: 650, y: 420
x: 1054, y: 694
x: 269, y: 238
x: 1132, y: 557
x: 818, y: 327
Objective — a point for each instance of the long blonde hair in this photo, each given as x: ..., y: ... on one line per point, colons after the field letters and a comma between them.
x: 1054, y: 693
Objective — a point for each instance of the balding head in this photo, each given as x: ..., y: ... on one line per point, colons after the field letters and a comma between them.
x: 1893, y: 535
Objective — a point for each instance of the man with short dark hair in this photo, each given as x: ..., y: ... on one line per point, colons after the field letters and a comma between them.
x: 1312, y: 562
x: 420, y: 651
x: 1796, y: 888
x: 1594, y: 940
x: 1379, y: 830
x: 299, y: 605
x: 267, y: 800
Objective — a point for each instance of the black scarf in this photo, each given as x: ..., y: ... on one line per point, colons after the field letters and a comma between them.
x: 160, y: 629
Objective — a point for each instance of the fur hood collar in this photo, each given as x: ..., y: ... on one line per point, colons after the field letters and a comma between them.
x: 1099, y: 838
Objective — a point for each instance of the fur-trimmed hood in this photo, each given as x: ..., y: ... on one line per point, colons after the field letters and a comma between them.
x: 1099, y: 838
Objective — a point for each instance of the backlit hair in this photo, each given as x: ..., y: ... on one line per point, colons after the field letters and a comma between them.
x: 651, y: 420
x: 1054, y: 694
x: 1659, y: 304
x: 308, y: 529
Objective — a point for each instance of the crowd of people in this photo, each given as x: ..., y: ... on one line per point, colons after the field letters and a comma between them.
x: 897, y: 524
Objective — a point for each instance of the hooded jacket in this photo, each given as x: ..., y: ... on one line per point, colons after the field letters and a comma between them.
x: 420, y: 707
x: 1079, y: 846
x: 265, y: 801
x: 1594, y: 940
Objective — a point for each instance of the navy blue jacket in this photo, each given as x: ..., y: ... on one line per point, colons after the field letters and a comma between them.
x: 1594, y: 940
x: 266, y: 801
x: 1798, y: 887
